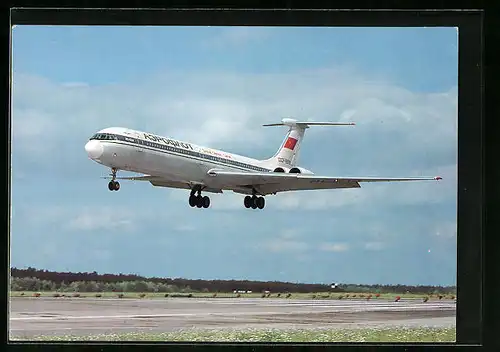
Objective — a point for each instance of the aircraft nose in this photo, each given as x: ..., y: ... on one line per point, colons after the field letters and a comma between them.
x: 94, y: 149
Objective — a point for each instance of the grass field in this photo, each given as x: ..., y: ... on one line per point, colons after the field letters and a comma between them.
x: 270, y: 335
x: 150, y: 295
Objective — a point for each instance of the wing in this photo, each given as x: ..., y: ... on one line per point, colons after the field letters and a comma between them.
x: 158, y: 181
x: 268, y: 183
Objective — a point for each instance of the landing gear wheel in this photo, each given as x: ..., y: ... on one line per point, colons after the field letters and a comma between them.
x: 254, y: 202
x: 206, y: 202
x: 248, y: 202
x: 113, y: 185
x: 199, y: 201
x: 192, y: 201
x: 261, y: 202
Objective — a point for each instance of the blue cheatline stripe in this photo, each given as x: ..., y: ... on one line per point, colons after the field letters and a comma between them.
x: 167, y: 149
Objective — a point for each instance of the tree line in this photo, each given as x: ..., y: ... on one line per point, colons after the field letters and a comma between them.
x: 36, y: 284
x: 32, y: 279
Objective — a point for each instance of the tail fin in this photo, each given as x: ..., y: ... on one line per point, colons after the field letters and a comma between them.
x: 287, y: 154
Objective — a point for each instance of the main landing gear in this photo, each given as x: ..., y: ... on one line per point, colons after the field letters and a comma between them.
x: 113, y: 185
x: 254, y: 202
x: 197, y: 200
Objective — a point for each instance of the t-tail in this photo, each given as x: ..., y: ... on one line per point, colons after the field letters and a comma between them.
x: 287, y: 154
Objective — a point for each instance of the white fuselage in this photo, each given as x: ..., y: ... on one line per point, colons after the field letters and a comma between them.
x: 146, y: 153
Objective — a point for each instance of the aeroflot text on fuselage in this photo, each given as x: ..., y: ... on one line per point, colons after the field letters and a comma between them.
x: 167, y: 141
x: 166, y: 162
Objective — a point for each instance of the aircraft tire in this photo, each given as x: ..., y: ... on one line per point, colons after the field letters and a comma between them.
x: 206, y: 202
x: 111, y: 186
x: 192, y: 201
x: 116, y: 185
x: 247, y: 202
x: 254, y: 202
x: 199, y: 201
x: 261, y: 202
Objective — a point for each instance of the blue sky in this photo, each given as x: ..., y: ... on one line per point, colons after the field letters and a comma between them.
x: 216, y: 86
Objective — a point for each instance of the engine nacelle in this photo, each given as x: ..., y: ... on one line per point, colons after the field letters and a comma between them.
x: 300, y: 170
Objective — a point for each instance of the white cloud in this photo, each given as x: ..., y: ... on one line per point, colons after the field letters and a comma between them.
x: 101, y: 218
x: 185, y: 227
x: 285, y: 242
x: 446, y: 230
x: 290, y: 233
x: 41, y: 214
x: 29, y: 127
x: 334, y: 247
x: 80, y: 218
x: 374, y: 246
x: 284, y: 245
x: 315, y: 200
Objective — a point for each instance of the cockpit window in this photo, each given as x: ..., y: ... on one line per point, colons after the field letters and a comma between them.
x: 103, y: 136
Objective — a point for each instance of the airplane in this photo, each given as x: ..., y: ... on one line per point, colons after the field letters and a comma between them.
x: 166, y: 162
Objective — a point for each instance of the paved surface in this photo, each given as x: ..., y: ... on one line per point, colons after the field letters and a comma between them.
x: 86, y: 316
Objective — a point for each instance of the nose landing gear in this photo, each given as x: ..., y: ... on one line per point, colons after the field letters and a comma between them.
x: 113, y: 185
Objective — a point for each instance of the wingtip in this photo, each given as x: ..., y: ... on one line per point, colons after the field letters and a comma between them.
x: 438, y: 178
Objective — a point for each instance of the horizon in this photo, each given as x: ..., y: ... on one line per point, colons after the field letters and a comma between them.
x: 215, y: 87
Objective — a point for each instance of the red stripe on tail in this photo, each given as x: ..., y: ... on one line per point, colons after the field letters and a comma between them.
x: 290, y: 143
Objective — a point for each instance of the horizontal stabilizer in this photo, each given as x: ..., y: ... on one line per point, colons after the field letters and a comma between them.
x: 305, y: 124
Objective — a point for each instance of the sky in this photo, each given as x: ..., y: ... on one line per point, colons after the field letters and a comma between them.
x: 216, y: 86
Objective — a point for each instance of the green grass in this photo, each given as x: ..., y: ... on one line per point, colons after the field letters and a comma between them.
x: 270, y: 335
x: 157, y: 295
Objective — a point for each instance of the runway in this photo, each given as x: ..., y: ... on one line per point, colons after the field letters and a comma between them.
x: 30, y: 317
